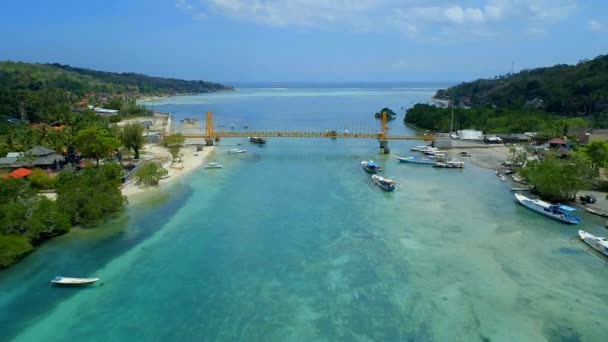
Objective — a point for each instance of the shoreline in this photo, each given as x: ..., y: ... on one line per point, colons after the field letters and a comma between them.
x: 191, y: 160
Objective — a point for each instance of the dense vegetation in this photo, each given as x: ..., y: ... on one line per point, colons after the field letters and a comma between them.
x: 533, y: 98
x: 79, y: 81
x: 27, y: 218
x: 39, y: 92
x: 44, y: 107
x: 580, y: 89
x: 390, y: 114
x: 491, y: 120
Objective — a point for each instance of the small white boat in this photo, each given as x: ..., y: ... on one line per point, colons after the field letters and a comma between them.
x: 213, y: 166
x: 236, y: 150
x: 370, y: 167
x: 503, y: 178
x: 600, y: 244
x: 559, y: 212
x: 73, y: 281
x: 517, y: 179
x: 385, y: 183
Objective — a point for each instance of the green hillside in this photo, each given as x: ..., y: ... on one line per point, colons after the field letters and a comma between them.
x: 27, y: 76
x: 571, y: 90
x: 36, y: 91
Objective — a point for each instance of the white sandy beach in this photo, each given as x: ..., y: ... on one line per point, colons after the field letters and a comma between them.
x: 191, y: 160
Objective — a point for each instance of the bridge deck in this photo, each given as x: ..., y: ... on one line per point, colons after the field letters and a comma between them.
x: 297, y: 134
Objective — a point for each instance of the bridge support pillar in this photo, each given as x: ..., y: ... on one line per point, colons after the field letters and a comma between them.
x: 209, y: 142
x: 384, y: 146
x: 217, y: 139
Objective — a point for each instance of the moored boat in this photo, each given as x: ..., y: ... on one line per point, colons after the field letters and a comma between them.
x: 385, y: 183
x: 213, y: 166
x: 419, y: 148
x: 257, y: 140
x: 558, y: 212
x: 600, y: 244
x: 72, y: 281
x: 450, y: 164
x: 416, y: 160
x: 370, y: 166
x: 236, y: 150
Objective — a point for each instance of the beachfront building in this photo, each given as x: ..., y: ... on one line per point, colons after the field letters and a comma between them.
x: 470, y: 134
x: 587, y: 135
x: 38, y: 156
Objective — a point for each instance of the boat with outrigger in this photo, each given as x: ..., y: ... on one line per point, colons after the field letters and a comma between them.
x: 213, y: 165
x: 416, y: 160
x: 370, y: 166
x: 68, y: 281
x: 558, y: 212
x: 235, y: 151
x: 257, y: 140
x: 450, y: 164
x: 600, y: 244
x: 386, y: 184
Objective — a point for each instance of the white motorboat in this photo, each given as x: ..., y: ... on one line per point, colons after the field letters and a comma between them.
x: 503, y: 178
x: 385, y: 183
x: 73, y: 281
x: 236, y: 150
x: 213, y: 166
x: 600, y: 244
x: 559, y: 212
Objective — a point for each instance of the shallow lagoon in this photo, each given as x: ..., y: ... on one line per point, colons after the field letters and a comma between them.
x: 292, y: 242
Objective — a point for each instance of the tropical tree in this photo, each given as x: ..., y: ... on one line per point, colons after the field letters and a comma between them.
x: 559, y: 179
x: 96, y: 142
x: 132, y: 137
x: 150, y: 174
x: 597, y: 152
x: 173, y: 143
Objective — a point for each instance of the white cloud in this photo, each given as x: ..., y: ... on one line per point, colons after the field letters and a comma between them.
x: 184, y: 5
x: 595, y: 26
x: 412, y: 17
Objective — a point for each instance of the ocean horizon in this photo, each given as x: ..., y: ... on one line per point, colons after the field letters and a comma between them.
x: 292, y: 241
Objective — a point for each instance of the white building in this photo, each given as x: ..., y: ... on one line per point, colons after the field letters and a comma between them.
x: 470, y: 134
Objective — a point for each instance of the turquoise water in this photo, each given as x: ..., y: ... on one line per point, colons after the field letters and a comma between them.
x: 291, y: 242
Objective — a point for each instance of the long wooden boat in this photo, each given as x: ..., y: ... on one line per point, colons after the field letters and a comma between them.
x: 600, y: 244
x: 258, y: 140
x: 72, y: 281
x: 416, y: 160
x: 558, y: 212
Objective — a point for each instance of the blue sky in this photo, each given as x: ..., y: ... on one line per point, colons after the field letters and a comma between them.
x: 305, y: 40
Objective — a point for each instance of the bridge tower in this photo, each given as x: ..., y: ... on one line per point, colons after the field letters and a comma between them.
x: 383, y: 135
x: 209, y: 127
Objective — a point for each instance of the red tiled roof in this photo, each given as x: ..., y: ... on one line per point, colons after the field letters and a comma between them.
x: 19, y: 173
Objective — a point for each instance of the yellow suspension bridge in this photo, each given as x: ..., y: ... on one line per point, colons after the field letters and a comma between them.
x: 381, y: 136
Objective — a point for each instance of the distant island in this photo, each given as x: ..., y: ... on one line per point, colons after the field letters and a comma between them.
x: 531, y: 100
